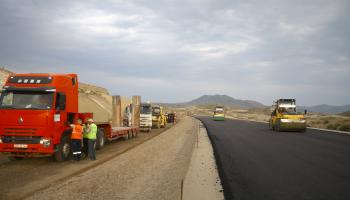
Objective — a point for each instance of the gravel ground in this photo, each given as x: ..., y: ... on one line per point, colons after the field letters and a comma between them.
x: 19, y: 179
x: 153, y: 170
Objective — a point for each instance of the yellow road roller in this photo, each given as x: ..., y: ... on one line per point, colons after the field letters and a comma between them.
x: 284, y: 116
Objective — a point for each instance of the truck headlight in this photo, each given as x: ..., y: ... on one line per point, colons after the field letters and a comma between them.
x: 45, y: 142
x: 0, y: 140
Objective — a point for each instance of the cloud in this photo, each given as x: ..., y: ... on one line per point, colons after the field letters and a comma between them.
x: 177, y: 50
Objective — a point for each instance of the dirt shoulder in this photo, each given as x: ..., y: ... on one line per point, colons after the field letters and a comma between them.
x: 202, y: 179
x: 153, y: 170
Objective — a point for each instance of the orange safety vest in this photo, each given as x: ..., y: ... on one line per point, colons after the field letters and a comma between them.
x: 77, y: 132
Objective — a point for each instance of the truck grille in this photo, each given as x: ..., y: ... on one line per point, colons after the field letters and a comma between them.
x: 29, y: 131
x: 21, y: 139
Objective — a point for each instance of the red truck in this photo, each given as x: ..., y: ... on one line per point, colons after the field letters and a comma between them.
x: 36, y: 111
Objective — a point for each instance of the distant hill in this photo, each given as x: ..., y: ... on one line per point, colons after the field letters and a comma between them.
x: 328, y: 109
x: 222, y: 100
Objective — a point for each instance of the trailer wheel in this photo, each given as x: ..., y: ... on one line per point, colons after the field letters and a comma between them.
x: 126, y: 136
x: 63, y: 149
x: 100, y: 139
x: 129, y: 135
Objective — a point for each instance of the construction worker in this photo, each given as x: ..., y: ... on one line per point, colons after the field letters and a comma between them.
x: 77, y: 135
x: 91, y: 135
x: 86, y: 130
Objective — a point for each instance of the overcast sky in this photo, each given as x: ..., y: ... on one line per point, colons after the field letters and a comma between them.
x: 175, y: 51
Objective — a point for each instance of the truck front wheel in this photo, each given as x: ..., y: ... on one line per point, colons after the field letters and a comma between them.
x: 63, y: 149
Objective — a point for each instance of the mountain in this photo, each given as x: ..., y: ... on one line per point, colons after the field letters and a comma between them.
x: 324, y: 108
x: 222, y: 100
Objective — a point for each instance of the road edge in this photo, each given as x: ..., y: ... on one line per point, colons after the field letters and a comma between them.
x: 202, y: 180
x: 226, y: 189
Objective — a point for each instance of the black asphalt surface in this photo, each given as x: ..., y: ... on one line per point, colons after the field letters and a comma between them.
x: 257, y: 163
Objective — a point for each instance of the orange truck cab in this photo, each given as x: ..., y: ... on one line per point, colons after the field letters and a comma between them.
x: 35, y: 113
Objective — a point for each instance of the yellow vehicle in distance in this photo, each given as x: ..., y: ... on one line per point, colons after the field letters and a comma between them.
x: 284, y: 116
x: 219, y: 114
x: 158, y: 117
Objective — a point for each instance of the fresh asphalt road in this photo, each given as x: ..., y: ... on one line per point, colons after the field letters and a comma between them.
x: 257, y: 163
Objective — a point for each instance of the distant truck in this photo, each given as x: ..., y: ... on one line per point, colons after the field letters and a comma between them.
x: 146, y: 117
x: 219, y: 113
x: 171, y: 117
x: 284, y: 116
x: 158, y: 117
x: 36, y: 111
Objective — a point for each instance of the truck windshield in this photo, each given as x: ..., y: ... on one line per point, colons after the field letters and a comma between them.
x: 146, y: 110
x: 26, y: 100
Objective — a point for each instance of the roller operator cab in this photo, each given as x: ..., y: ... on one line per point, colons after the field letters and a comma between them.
x: 284, y: 116
x: 35, y: 113
x: 219, y: 114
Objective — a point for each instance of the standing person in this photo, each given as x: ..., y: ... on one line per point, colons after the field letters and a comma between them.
x: 77, y: 134
x: 91, y: 135
x: 86, y: 130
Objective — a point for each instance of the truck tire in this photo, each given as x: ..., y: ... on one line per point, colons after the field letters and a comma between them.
x: 134, y: 133
x: 126, y: 136
x: 100, y: 139
x: 63, y: 149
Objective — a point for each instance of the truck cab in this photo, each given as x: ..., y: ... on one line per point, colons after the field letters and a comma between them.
x: 158, y: 117
x: 146, y: 117
x: 284, y: 116
x: 35, y: 113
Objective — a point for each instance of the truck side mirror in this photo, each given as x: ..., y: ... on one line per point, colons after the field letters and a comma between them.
x: 305, y: 112
x: 61, y: 101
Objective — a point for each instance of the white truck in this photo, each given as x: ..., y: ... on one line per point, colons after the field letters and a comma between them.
x: 146, y: 117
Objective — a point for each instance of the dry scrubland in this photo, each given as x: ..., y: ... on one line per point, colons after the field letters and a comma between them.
x: 334, y: 122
